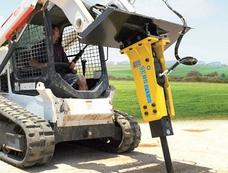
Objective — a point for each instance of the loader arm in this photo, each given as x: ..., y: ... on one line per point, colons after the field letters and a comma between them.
x: 80, y: 18
x: 16, y: 20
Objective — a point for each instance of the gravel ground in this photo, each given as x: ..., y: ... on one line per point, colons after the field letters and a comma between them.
x: 196, y: 147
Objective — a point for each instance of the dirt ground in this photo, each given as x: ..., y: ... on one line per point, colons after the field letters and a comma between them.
x: 196, y: 147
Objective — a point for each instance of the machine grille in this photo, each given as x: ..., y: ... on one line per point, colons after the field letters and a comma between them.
x: 32, y: 45
x: 72, y: 46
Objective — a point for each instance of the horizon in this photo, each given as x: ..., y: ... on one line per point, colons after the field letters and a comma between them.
x: 173, y: 61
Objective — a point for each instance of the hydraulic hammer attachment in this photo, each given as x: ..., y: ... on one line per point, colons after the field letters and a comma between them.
x: 153, y: 91
x: 143, y: 40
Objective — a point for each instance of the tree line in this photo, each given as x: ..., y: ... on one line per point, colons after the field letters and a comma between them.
x: 196, y: 76
x: 192, y: 76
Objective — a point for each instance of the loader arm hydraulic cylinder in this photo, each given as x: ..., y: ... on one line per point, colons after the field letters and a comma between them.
x: 153, y: 90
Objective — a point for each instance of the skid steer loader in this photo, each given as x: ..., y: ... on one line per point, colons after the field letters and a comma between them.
x: 39, y: 109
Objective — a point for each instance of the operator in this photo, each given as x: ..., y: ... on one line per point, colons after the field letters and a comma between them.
x: 68, y: 73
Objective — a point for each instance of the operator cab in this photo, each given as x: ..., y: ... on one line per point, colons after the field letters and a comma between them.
x: 35, y: 41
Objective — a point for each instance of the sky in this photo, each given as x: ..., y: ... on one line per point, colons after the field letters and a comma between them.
x: 207, y: 41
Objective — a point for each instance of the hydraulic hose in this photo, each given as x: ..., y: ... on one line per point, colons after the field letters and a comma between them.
x: 183, y: 32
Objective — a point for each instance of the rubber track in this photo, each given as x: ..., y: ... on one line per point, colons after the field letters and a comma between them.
x: 131, y: 134
x: 39, y: 135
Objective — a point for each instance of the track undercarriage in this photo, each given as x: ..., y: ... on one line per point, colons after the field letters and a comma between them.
x: 26, y: 139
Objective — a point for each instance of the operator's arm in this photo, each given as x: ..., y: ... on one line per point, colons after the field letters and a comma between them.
x: 38, y: 57
x: 35, y: 63
x: 71, y: 64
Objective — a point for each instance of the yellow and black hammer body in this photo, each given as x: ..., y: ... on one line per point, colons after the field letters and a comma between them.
x: 153, y: 92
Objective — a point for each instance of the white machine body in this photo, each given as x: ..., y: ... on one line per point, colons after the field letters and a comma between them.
x: 64, y: 112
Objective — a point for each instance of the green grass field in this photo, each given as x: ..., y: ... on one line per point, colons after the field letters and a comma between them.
x: 120, y: 71
x: 192, y: 100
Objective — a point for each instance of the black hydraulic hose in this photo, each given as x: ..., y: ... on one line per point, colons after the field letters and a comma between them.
x: 78, y: 55
x: 186, y: 60
x: 83, y: 61
x: 183, y: 32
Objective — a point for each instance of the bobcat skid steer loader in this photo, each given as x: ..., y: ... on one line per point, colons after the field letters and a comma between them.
x: 39, y: 109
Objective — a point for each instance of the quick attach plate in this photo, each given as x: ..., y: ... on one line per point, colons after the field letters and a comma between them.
x: 119, y: 29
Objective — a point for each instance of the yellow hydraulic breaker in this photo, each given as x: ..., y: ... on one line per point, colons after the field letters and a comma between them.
x: 153, y: 92
x: 153, y: 89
